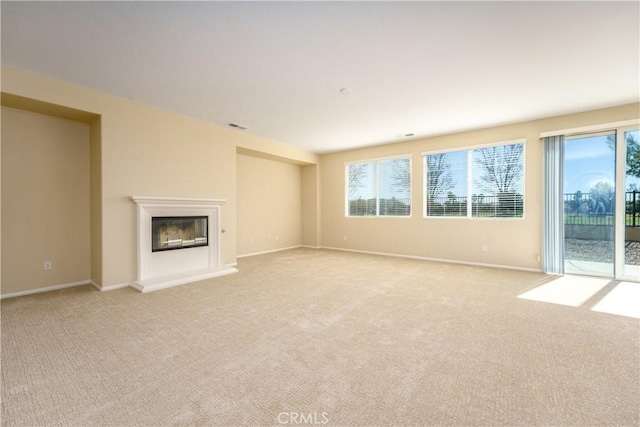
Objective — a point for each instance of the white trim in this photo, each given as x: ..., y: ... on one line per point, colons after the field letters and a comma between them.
x: 475, y: 147
x: 269, y: 251
x: 110, y: 287
x: 158, y: 269
x: 592, y: 128
x: 474, y: 218
x: 448, y: 261
x: 311, y: 247
x: 158, y: 283
x: 589, y: 135
x: 46, y: 289
x: 177, y: 200
x: 379, y: 159
x: 619, y: 210
x: 380, y: 216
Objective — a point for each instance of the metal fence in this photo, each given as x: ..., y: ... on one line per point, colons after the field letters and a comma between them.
x: 596, y: 209
x: 381, y: 207
x: 579, y: 208
x: 509, y: 205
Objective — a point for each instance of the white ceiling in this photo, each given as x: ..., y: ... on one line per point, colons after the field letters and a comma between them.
x: 425, y: 68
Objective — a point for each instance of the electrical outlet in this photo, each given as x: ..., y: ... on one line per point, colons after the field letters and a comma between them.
x: 484, y: 248
x: 277, y: 238
x: 48, y: 265
x: 251, y: 241
x: 345, y: 237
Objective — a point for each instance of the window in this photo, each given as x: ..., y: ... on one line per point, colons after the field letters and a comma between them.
x: 486, y: 182
x: 379, y: 188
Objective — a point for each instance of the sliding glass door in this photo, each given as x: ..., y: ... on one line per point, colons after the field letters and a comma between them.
x: 592, y: 204
x: 631, y: 161
x: 591, y: 216
x: 589, y: 204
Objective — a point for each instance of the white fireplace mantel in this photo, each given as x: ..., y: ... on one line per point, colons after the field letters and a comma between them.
x: 159, y: 270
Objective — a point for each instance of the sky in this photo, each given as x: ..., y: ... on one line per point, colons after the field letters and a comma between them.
x: 590, y: 160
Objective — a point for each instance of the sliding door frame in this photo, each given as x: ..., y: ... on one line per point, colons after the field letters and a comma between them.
x: 620, y: 128
x: 620, y: 205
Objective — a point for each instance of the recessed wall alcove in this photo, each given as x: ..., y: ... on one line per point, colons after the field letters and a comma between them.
x: 51, y: 161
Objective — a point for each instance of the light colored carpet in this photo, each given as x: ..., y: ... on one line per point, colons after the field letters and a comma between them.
x: 352, y: 339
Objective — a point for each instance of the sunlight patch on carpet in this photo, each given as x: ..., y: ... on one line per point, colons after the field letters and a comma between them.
x: 623, y: 300
x: 567, y: 290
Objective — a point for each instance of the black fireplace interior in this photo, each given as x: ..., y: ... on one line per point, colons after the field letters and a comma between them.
x: 178, y: 232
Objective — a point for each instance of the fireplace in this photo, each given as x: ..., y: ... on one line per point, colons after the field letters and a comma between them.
x: 178, y: 232
x: 179, y: 241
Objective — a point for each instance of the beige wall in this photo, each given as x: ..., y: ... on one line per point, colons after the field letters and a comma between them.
x: 96, y: 200
x: 45, y: 201
x: 311, y: 205
x: 513, y: 243
x: 145, y: 151
x: 148, y: 152
x: 269, y: 205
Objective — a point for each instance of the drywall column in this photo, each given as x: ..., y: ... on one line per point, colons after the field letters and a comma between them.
x: 311, y: 205
x: 95, y: 159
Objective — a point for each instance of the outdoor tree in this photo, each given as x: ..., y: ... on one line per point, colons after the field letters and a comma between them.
x: 401, y: 173
x: 601, y: 198
x: 439, y: 176
x: 502, y: 168
x: 356, y: 174
x: 577, y: 204
x: 633, y: 153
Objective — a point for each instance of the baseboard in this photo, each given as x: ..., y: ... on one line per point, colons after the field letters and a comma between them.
x: 269, y: 252
x: 311, y: 247
x: 46, y: 289
x: 448, y: 261
x: 157, y: 283
x: 110, y: 287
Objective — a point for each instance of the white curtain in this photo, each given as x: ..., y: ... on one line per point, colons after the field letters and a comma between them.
x: 553, y: 218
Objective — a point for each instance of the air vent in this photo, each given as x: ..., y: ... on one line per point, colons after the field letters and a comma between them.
x: 237, y: 126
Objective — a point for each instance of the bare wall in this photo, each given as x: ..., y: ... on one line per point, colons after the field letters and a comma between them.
x: 45, y: 201
x: 96, y: 200
x: 269, y: 205
x: 311, y: 205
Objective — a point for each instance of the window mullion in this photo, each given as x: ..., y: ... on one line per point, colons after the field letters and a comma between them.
x: 470, y: 183
x: 377, y: 178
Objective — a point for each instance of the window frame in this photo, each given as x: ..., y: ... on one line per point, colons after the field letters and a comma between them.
x: 376, y: 161
x: 468, y: 149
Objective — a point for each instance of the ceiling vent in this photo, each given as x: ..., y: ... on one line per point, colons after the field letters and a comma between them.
x: 237, y: 126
